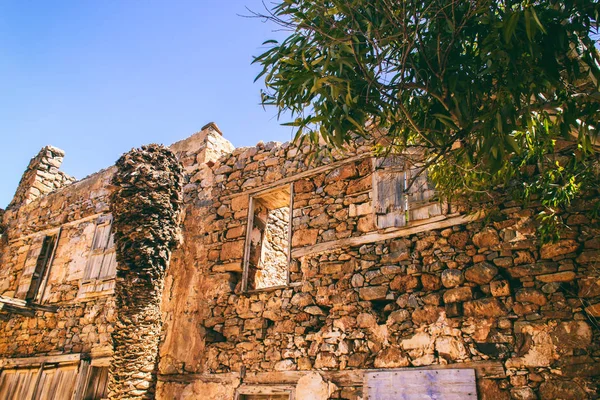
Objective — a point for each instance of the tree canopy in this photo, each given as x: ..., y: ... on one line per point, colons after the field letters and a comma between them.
x: 485, y: 89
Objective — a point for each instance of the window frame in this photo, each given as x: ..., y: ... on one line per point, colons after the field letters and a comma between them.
x: 394, y: 170
x: 272, y: 389
x: 37, y: 285
x: 247, y: 239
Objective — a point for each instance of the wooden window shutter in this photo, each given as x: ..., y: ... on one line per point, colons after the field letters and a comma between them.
x: 421, y: 196
x: 101, y: 263
x: 402, y: 193
x: 41, y: 266
x: 389, y: 198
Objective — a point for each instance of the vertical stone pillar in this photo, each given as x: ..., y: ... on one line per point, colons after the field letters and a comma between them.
x: 146, y: 205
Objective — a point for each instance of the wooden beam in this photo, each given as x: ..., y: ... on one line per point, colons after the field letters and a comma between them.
x: 37, y: 360
x: 190, y: 378
x: 354, y: 377
x: 22, y: 307
x: 11, y: 309
x: 440, y: 222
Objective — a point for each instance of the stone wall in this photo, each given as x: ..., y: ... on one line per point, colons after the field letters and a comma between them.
x: 461, y: 291
x: 78, y: 325
x: 454, y: 291
x: 75, y: 317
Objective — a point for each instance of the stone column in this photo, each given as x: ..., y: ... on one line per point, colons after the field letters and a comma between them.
x: 146, y: 205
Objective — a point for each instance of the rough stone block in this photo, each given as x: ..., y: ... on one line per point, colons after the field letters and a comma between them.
x: 459, y: 294
x: 481, y: 273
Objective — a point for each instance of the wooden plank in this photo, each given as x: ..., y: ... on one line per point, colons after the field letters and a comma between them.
x: 265, y: 389
x: 9, y: 304
x: 449, y: 384
x: 82, y: 378
x: 109, y: 265
x: 246, y: 261
x: 290, y: 233
x: 275, y: 198
x: 39, y: 298
x: 483, y: 369
x: 30, y: 361
x: 420, y: 226
x: 224, y: 378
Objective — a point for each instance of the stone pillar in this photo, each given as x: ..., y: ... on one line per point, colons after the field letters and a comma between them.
x: 146, y: 205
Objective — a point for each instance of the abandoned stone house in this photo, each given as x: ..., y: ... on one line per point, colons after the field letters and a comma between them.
x: 298, y: 280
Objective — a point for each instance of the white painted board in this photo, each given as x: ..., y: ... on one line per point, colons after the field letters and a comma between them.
x: 440, y: 384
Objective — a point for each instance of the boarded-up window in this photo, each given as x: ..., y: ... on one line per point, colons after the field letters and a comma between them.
x: 440, y: 384
x: 267, y: 252
x: 102, y: 262
x: 41, y: 270
x: 402, y: 193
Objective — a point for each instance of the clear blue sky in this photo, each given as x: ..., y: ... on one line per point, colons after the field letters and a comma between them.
x: 97, y: 78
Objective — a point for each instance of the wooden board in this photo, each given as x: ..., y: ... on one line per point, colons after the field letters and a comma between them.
x: 448, y: 384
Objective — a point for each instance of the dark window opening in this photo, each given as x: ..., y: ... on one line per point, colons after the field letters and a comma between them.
x: 41, y: 268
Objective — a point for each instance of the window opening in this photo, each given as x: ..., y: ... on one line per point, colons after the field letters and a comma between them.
x: 41, y: 268
x: 267, y: 251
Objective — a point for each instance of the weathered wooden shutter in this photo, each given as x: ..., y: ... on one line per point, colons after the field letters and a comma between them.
x: 421, y: 196
x: 96, y: 387
x: 41, y: 266
x: 17, y: 383
x: 389, y: 200
x: 109, y: 265
x: 33, y: 253
x: 101, y: 262
x: 402, y: 193
x: 57, y: 383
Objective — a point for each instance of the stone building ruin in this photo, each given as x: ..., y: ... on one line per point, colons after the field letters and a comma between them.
x: 293, y: 280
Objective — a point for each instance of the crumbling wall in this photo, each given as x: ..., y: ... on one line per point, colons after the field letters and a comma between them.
x: 454, y: 292
x: 145, y: 206
x: 41, y: 177
x: 78, y: 325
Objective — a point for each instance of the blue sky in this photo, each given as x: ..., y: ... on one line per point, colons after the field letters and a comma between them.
x: 97, y: 78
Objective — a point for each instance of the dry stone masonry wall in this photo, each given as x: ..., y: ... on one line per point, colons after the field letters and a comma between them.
x: 476, y: 292
x: 469, y: 293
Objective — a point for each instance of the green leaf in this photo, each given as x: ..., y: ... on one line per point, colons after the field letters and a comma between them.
x: 537, y: 21
x: 510, y: 24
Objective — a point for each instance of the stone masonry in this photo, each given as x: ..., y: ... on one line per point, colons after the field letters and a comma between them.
x: 249, y: 311
x: 145, y: 206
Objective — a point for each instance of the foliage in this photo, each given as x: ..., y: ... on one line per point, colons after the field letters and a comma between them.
x: 484, y: 89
